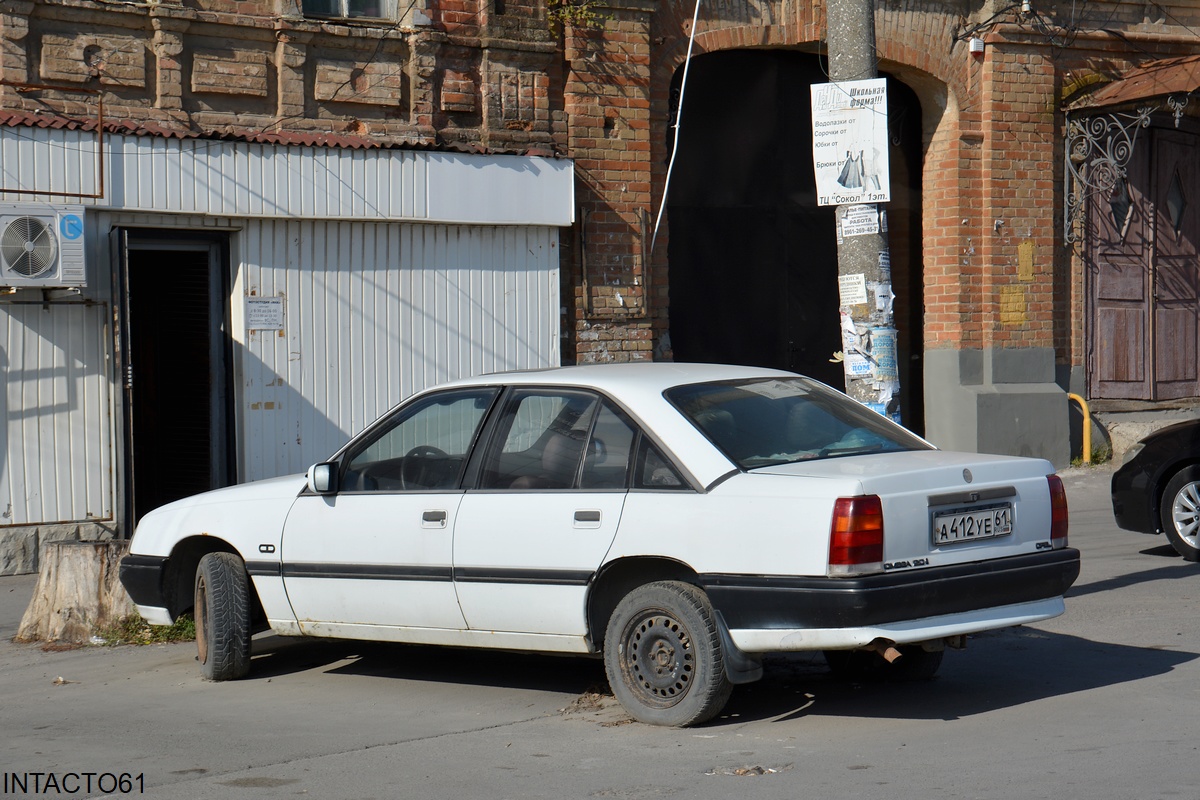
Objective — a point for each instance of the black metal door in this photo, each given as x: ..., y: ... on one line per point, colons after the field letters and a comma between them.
x: 174, y: 365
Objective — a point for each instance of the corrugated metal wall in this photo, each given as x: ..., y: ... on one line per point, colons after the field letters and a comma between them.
x: 56, y: 450
x: 50, y: 160
x: 374, y: 312
x: 203, y: 176
x: 381, y: 298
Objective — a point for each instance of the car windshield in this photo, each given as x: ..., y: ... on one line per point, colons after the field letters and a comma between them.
x: 770, y: 421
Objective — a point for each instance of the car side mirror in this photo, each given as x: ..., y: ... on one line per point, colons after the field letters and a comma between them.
x: 322, y: 478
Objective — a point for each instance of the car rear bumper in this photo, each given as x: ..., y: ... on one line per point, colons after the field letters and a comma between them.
x: 774, y: 640
x: 779, y: 603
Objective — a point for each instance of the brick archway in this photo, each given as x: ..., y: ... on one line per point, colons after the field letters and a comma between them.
x: 751, y: 267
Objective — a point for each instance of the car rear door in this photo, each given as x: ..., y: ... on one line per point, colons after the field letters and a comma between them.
x: 551, y: 491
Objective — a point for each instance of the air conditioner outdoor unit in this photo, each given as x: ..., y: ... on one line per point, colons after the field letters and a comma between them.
x: 41, y: 246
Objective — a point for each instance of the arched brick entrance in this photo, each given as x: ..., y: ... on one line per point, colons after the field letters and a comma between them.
x: 752, y: 261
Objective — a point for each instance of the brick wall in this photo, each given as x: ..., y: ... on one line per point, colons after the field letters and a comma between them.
x: 457, y: 72
x: 1018, y: 191
x: 607, y: 109
x: 993, y: 137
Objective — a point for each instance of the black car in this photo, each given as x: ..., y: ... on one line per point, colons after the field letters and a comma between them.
x: 1157, y: 488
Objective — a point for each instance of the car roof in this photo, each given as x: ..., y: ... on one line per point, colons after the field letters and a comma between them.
x: 640, y: 377
x: 639, y: 386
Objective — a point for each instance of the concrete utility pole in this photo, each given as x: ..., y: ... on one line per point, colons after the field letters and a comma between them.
x: 868, y: 327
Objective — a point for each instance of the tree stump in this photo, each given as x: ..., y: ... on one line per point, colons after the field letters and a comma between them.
x: 77, y: 593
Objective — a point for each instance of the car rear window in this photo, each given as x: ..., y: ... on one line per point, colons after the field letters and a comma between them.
x: 764, y: 422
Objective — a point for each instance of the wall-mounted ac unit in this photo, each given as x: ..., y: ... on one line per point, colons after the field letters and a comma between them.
x: 41, y: 245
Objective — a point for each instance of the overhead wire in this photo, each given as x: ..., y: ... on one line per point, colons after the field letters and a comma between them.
x: 687, y: 62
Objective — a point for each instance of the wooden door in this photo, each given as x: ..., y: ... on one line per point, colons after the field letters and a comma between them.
x: 1118, y: 262
x: 1142, y: 273
x: 1174, y: 267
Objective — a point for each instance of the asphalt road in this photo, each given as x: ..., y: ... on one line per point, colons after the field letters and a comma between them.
x: 1100, y: 703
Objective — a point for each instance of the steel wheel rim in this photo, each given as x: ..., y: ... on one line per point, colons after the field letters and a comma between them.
x: 659, y: 661
x: 1185, y: 514
x: 201, y: 619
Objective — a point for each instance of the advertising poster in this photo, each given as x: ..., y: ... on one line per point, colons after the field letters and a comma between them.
x: 850, y: 142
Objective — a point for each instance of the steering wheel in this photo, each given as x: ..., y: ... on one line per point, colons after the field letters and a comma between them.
x: 415, y: 469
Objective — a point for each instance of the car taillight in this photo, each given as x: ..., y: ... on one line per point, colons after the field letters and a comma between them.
x: 1058, y: 512
x: 856, y: 535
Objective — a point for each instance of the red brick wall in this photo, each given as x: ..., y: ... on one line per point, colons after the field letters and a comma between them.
x: 607, y: 109
x: 1018, y: 189
x: 993, y: 150
x: 471, y: 76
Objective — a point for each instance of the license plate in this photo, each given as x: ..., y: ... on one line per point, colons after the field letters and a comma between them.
x: 950, y: 527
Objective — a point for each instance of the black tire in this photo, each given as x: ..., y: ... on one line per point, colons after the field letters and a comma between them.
x: 662, y: 653
x: 914, y: 664
x: 1180, y: 513
x: 222, y: 617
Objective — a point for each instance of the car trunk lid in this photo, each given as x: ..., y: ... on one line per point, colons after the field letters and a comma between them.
x: 942, y: 508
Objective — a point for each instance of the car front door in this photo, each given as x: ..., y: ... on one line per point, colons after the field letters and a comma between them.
x: 378, y: 553
x: 550, y: 494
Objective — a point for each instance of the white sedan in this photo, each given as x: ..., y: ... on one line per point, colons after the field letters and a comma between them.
x: 681, y: 520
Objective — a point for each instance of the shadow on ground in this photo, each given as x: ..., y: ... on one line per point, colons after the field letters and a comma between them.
x: 1182, y: 570
x: 999, y: 670
x: 276, y: 655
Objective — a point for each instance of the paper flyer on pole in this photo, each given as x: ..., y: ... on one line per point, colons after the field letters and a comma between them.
x: 850, y: 142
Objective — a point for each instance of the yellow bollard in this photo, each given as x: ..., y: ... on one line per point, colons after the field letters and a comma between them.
x: 1087, y: 427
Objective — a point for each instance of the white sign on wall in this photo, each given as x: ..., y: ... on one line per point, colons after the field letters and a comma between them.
x: 264, y: 313
x: 850, y: 142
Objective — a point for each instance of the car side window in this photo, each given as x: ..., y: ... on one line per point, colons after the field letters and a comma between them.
x: 654, y: 471
x: 540, y: 440
x: 606, y: 464
x: 424, y: 447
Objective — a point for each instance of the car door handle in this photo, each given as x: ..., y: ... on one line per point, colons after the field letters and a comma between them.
x: 587, y: 518
x: 433, y: 519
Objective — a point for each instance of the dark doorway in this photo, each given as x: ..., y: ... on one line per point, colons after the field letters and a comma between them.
x: 175, y: 365
x: 752, y: 257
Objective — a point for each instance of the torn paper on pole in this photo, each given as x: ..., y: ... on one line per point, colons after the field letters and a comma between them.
x: 856, y: 347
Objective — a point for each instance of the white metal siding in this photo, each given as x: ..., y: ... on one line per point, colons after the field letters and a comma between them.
x: 375, y: 312
x: 382, y: 295
x: 200, y: 176
x: 49, y: 160
x: 57, y: 412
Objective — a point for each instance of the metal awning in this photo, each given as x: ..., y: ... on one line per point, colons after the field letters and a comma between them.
x: 1102, y: 127
x: 1165, y: 78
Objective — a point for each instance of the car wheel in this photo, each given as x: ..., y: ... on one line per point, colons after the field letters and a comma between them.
x: 222, y: 617
x: 1180, y: 513
x: 662, y: 652
x: 914, y: 664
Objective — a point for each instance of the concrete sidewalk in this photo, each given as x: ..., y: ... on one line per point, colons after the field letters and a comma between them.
x: 15, y: 593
